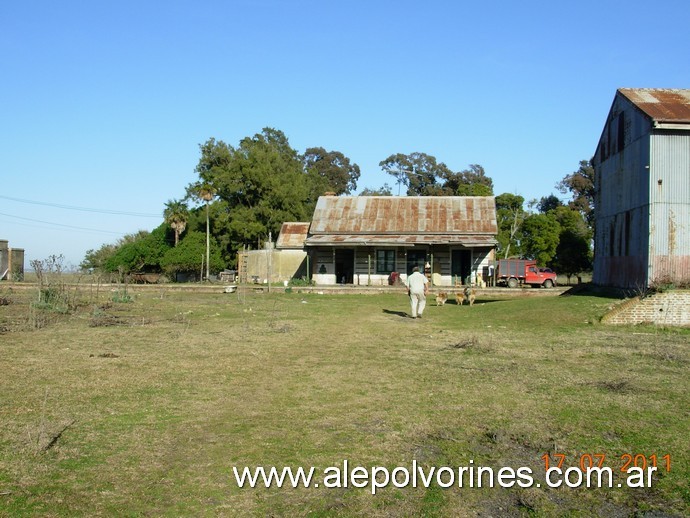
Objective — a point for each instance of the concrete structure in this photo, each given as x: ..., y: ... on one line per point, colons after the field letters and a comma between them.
x: 361, y: 240
x: 11, y: 262
x: 642, y: 180
x: 287, y: 261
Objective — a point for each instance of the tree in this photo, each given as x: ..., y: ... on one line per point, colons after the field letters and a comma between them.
x: 385, y: 190
x: 188, y: 256
x: 547, y: 203
x: 470, y: 182
x: 417, y: 171
x: 540, y: 237
x: 581, y: 185
x: 143, y: 254
x: 571, y: 219
x: 96, y: 259
x: 422, y: 175
x: 176, y: 215
x: 573, y: 253
x: 510, y: 216
x: 204, y: 191
x: 330, y: 171
x: 258, y: 186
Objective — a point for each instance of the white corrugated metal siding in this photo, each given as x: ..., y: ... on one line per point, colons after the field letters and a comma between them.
x: 670, y: 214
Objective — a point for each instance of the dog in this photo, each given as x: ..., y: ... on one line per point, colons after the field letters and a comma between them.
x: 441, y: 298
x: 469, y: 295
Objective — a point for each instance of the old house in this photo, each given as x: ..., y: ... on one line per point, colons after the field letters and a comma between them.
x: 362, y: 240
x: 642, y: 181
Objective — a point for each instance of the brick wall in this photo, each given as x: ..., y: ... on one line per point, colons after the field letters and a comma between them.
x: 671, y: 308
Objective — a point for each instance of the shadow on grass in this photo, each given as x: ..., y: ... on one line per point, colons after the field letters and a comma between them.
x: 592, y: 290
x: 398, y: 313
x: 477, y: 301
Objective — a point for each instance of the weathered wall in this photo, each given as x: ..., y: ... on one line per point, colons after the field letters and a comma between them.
x: 16, y: 264
x: 621, y: 242
x: 669, y: 231
x: 4, y: 258
x: 283, y: 264
x: 671, y: 308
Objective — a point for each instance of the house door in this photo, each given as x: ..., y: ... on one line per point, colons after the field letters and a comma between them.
x: 416, y: 258
x: 344, y: 266
x: 461, y: 265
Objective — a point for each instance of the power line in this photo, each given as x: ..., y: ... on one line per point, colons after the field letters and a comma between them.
x: 83, y: 209
x: 54, y: 229
x: 72, y: 227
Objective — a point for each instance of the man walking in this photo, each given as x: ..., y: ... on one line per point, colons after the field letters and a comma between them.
x: 417, y: 288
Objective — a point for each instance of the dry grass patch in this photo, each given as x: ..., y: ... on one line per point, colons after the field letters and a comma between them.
x: 184, y: 386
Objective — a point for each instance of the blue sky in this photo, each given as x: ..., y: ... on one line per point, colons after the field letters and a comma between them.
x: 104, y: 104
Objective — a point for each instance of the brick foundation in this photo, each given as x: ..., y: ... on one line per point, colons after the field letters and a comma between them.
x: 671, y: 308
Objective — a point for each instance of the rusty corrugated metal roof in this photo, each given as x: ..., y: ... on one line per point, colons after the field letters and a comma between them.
x: 661, y: 104
x: 400, y: 240
x: 292, y: 235
x: 408, y: 215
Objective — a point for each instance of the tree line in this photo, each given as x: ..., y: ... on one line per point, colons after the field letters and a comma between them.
x: 242, y: 194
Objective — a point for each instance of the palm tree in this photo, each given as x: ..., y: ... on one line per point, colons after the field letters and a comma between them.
x: 206, y: 192
x: 176, y: 215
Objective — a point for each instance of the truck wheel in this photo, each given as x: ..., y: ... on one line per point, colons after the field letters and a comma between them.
x: 548, y: 283
x: 512, y: 282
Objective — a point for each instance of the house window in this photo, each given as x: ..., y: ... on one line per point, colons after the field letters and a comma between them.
x: 385, y: 261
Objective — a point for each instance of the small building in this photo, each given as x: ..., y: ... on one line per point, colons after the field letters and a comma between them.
x: 11, y: 262
x: 282, y: 262
x: 642, y: 182
x: 362, y: 240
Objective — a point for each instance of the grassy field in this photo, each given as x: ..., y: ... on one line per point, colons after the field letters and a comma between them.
x: 144, y: 407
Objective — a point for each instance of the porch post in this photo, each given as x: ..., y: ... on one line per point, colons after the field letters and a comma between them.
x: 308, y: 272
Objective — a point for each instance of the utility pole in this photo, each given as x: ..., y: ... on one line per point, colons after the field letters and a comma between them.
x: 208, y: 243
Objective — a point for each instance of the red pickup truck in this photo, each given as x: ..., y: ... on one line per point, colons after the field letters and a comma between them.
x: 516, y: 272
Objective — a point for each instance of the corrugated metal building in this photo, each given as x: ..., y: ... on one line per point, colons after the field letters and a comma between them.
x: 642, y: 203
x: 363, y: 239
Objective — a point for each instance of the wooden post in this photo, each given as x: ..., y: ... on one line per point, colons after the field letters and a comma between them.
x: 269, y: 259
x: 431, y: 281
x: 308, y: 272
x: 369, y: 269
x: 208, y: 245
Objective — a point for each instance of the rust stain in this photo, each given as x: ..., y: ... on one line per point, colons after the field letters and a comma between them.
x: 405, y: 215
x: 401, y: 239
x: 624, y: 271
x: 292, y: 235
x: 661, y: 104
x: 675, y: 269
x: 671, y: 234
